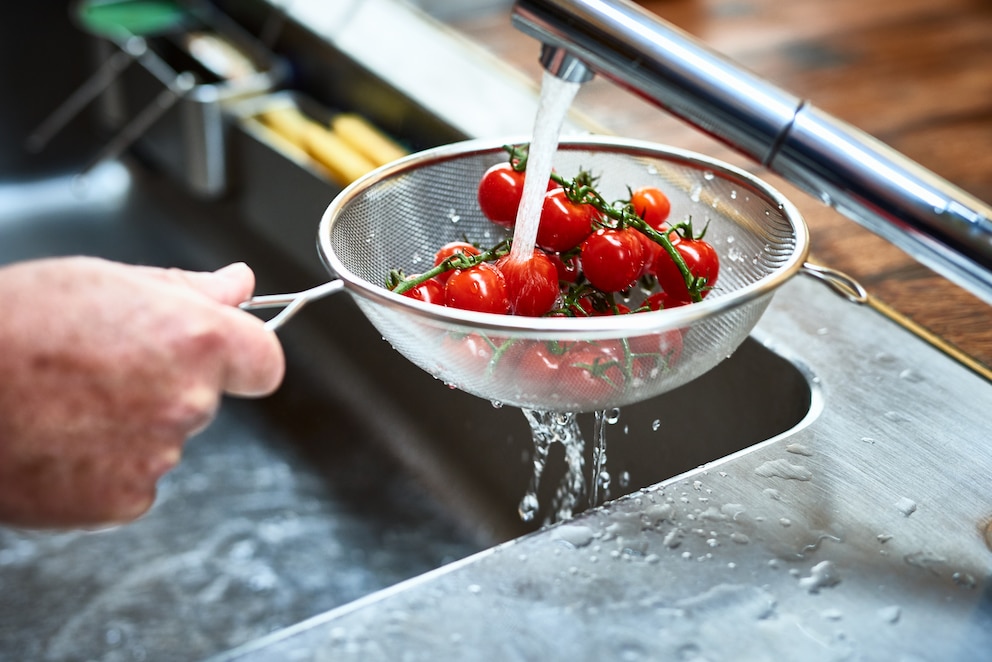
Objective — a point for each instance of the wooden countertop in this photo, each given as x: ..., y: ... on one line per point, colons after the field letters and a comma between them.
x: 913, y: 73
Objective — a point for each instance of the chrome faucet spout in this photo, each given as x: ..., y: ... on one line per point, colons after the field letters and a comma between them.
x: 934, y: 221
x: 561, y: 63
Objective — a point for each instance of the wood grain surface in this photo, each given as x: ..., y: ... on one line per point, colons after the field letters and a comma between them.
x: 914, y: 73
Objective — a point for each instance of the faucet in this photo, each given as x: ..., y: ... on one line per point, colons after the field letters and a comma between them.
x: 937, y: 223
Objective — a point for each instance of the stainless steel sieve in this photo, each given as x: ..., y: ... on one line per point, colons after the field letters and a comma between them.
x: 400, y: 214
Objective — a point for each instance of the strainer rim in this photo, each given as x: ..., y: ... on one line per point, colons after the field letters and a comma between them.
x: 570, y: 327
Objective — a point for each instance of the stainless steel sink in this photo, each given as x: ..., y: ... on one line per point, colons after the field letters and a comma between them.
x: 362, y: 471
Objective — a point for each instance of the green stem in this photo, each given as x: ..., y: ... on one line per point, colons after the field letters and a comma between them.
x: 583, y: 192
x: 456, y: 261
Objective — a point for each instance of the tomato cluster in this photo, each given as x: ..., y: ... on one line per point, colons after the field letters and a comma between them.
x: 587, y: 251
x: 590, y: 256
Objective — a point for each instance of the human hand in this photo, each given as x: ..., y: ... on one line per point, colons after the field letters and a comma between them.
x: 106, y: 370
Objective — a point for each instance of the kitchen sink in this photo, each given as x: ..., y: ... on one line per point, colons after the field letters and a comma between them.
x: 362, y: 470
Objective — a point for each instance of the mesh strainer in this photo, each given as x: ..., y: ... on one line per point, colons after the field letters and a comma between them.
x: 399, y: 215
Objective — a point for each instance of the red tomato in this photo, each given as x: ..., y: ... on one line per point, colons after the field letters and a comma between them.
x: 663, y: 301
x: 481, y: 288
x: 652, y: 205
x: 612, y: 260
x: 531, y: 284
x: 699, y: 256
x: 449, y: 249
x: 564, y: 224
x: 500, y: 191
x: 568, y: 267
x: 597, y: 307
x: 649, y: 253
x: 469, y: 352
x: 577, y: 371
x: 430, y: 291
x: 655, y: 352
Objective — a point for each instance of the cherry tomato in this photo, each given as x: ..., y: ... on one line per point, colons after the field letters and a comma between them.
x: 699, y: 256
x: 589, y: 306
x: 663, y: 301
x: 649, y: 253
x: 564, y: 224
x: 582, y: 371
x: 481, y: 288
x: 500, y: 191
x: 449, y: 249
x: 652, y: 205
x: 469, y: 352
x: 653, y: 353
x: 430, y: 291
x: 567, y: 266
x: 532, y: 284
x: 612, y: 260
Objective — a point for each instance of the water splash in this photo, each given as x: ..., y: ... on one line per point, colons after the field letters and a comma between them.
x: 548, y: 428
x: 600, y: 475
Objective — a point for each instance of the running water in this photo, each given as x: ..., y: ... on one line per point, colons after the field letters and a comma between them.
x: 552, y: 427
x: 556, y: 98
x: 548, y: 427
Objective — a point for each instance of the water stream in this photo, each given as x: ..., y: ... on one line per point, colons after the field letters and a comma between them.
x: 556, y: 99
x: 552, y: 427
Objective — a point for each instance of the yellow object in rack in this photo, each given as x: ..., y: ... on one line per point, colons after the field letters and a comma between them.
x: 347, y: 147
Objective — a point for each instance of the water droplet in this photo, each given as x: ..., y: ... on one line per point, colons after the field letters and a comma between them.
x: 739, y: 538
x: 613, y: 415
x: 696, y: 192
x: 708, y: 175
x: 868, y: 440
x: 453, y: 216
x: 785, y: 521
x: 896, y: 417
x: 964, y: 580
x: 906, y: 506
x: 656, y: 424
x: 883, y: 537
x: 497, y: 404
x: 474, y: 588
x: 799, y: 449
x: 911, y: 376
x: 890, y: 614
x: 821, y: 575
x: 574, y: 534
x: 624, y: 478
x: 528, y: 507
x: 783, y: 469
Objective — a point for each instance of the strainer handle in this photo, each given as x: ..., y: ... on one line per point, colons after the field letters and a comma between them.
x: 845, y: 285
x: 290, y: 303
